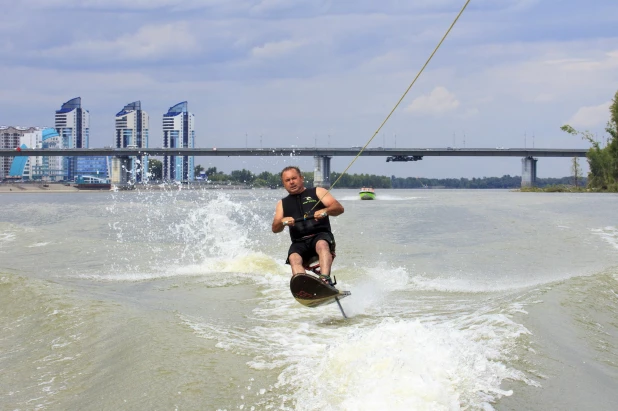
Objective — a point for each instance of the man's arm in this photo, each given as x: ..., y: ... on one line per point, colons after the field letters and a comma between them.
x: 333, y: 207
x: 277, y: 223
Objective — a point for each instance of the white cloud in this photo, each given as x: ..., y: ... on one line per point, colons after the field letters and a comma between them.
x: 583, y: 65
x: 150, y: 41
x: 544, y: 98
x: 439, y: 101
x: 274, y: 49
x: 471, y: 112
x: 122, y: 5
x: 590, y: 116
x: 272, y: 5
x: 551, y: 72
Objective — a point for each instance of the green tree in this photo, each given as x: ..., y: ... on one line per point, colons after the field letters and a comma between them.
x: 242, y: 176
x: 308, y: 177
x: 155, y: 168
x: 197, y: 170
x: 603, y: 161
x: 267, y: 179
x: 214, y: 175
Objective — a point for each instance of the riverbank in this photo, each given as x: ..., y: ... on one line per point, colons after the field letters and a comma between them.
x: 37, y: 188
x: 557, y: 189
x: 64, y: 188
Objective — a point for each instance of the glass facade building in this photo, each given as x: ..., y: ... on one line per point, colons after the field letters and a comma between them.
x: 95, y: 166
x: 73, y: 127
x: 132, y: 131
x: 178, y: 131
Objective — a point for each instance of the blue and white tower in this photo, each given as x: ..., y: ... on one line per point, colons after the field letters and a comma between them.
x: 73, y: 127
x: 132, y: 131
x: 178, y: 132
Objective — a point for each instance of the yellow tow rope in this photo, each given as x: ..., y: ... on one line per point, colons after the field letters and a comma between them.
x: 400, y: 100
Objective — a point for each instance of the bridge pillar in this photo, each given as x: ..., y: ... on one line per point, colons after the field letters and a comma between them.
x: 528, y: 171
x: 321, y: 172
x: 121, y: 171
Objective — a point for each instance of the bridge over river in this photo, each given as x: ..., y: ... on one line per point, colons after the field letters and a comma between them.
x: 321, y: 155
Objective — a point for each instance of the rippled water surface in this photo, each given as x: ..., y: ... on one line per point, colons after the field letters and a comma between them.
x: 180, y: 300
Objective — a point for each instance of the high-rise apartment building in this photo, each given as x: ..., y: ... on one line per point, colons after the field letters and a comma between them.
x: 46, y: 168
x: 28, y: 168
x: 178, y: 132
x: 11, y: 138
x: 73, y: 127
x: 132, y: 131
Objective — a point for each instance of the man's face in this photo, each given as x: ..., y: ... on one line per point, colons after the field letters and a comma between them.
x: 292, y: 181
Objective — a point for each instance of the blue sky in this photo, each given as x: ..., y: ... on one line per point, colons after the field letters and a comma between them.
x: 296, y: 72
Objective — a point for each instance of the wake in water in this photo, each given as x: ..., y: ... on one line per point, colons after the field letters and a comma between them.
x: 179, y: 235
x: 609, y: 234
x: 6, y: 237
x: 372, y: 361
x: 393, y: 353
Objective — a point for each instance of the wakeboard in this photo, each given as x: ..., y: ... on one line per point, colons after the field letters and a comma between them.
x: 312, y: 291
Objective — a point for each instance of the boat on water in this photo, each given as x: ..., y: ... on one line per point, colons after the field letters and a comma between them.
x: 92, y: 183
x: 367, y: 193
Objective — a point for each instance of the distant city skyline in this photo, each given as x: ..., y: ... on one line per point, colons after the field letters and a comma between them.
x: 275, y: 73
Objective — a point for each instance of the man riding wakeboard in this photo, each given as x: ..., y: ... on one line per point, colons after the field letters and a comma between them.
x: 310, y: 237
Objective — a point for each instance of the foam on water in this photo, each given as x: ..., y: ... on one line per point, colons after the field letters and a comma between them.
x: 400, y: 365
x: 213, y: 272
x: 5, y: 238
x: 385, y: 364
x: 609, y: 234
x: 371, y: 362
x: 453, y: 284
x: 205, y: 236
x: 38, y: 244
x: 373, y: 288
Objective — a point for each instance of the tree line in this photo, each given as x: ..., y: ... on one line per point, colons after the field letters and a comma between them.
x: 355, y: 181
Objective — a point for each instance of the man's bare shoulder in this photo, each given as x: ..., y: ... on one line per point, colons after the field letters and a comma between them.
x: 321, y: 191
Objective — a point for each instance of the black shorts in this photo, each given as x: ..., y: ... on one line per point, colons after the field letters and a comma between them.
x: 306, y: 248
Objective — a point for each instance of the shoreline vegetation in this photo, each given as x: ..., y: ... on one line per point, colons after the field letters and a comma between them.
x: 602, y: 156
x: 561, y: 188
x: 356, y: 181
x: 512, y: 183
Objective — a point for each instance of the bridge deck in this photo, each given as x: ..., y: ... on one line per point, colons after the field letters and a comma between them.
x: 308, y: 151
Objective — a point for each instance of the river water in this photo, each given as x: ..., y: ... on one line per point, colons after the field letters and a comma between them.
x: 179, y: 300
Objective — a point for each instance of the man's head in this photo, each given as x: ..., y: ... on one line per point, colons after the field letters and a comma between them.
x: 292, y: 180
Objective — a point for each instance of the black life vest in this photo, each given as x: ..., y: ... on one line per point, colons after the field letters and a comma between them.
x: 296, y: 206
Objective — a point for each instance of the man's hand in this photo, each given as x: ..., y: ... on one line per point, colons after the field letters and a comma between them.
x: 319, y: 214
x: 287, y: 221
